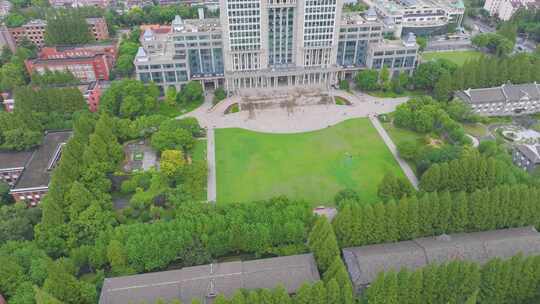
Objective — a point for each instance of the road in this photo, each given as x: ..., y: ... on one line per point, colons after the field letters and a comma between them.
x: 409, y: 173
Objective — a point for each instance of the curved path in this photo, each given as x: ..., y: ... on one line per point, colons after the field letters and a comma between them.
x: 300, y: 119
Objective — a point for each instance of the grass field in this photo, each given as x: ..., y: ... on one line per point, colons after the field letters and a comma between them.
x: 313, y: 166
x: 199, y: 150
x: 458, y: 57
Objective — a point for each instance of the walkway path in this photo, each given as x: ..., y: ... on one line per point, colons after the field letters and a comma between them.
x: 299, y: 119
x: 211, y: 159
x: 388, y: 141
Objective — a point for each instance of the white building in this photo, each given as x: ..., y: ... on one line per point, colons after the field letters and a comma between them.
x: 504, y: 9
x: 420, y: 16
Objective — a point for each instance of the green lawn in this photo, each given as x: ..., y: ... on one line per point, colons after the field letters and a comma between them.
x: 477, y: 130
x: 173, y: 111
x: 199, y: 150
x: 400, y: 135
x: 313, y: 166
x: 458, y: 57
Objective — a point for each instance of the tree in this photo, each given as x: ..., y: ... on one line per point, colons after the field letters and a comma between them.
x: 322, y: 241
x: 192, y: 92
x: 172, y: 136
x: 344, y: 85
x: 171, y: 162
x: 170, y: 96
x: 12, y: 75
x: 407, y: 149
x: 64, y: 286
x: 219, y: 95
x: 346, y: 195
x: 333, y: 292
x: 384, y: 79
x: 422, y: 43
x: 443, y: 88
x: 43, y: 297
x: 367, y: 80
x: 67, y: 27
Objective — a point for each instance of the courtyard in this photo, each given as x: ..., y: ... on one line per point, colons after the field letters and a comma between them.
x: 312, y: 166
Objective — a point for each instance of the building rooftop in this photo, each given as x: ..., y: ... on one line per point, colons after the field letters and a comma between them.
x: 532, y: 152
x: 504, y: 93
x: 10, y: 160
x: 364, y: 263
x: 38, y: 170
x: 207, y: 281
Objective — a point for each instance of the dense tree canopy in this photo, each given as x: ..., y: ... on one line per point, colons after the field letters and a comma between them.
x: 515, y: 280
x: 436, y: 213
x: 67, y: 27
x: 129, y: 98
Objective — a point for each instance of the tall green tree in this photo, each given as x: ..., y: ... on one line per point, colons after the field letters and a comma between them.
x: 67, y: 28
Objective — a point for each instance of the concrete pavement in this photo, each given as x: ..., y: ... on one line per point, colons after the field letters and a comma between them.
x: 409, y: 173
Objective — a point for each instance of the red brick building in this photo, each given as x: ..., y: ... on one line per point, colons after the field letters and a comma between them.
x: 88, y: 63
x: 35, y: 31
x: 34, y: 180
x: 92, y: 94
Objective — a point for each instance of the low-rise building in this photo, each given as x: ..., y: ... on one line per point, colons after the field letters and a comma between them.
x: 366, y: 262
x: 421, y: 17
x: 12, y: 165
x: 34, y: 31
x: 395, y: 55
x: 504, y: 100
x: 92, y: 94
x: 526, y: 157
x: 33, y: 182
x: 208, y: 281
x: 88, y: 63
x: 80, y: 3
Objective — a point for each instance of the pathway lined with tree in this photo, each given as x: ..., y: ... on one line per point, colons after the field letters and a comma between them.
x: 392, y: 147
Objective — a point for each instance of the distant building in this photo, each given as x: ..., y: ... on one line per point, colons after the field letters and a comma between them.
x: 504, y: 9
x: 208, y: 281
x: 5, y: 7
x: 80, y: 3
x: 35, y: 31
x: 504, y: 100
x: 12, y: 165
x: 526, y: 157
x: 88, y: 62
x: 421, y: 17
x: 8, y: 101
x: 366, y: 262
x: 34, y: 180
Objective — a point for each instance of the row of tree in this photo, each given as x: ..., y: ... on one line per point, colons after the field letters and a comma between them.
x: 372, y: 80
x: 486, y: 71
x: 470, y: 172
x: 436, y: 213
x: 513, y: 281
x: 196, y: 234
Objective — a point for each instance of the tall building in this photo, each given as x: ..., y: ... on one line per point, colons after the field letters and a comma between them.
x: 270, y: 43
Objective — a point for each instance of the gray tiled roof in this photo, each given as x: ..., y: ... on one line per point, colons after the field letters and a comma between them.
x: 532, y: 153
x: 221, y: 278
x: 37, y: 172
x: 503, y: 93
x: 364, y: 263
x: 10, y: 160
